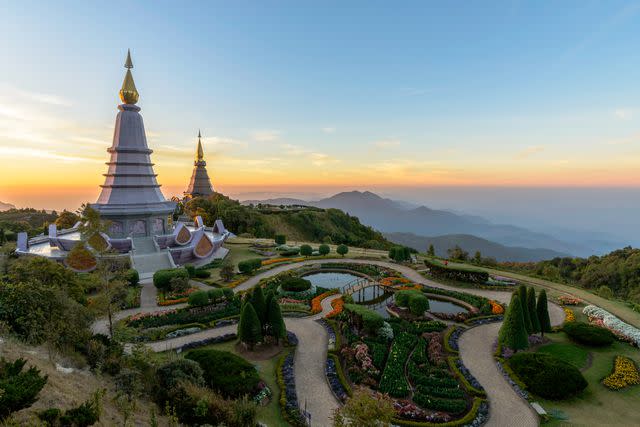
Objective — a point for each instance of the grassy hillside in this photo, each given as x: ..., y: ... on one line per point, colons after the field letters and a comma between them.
x: 298, y: 223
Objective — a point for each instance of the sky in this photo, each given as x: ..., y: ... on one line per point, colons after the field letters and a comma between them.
x: 318, y: 97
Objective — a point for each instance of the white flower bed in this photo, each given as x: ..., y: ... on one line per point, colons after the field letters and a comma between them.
x: 616, y: 325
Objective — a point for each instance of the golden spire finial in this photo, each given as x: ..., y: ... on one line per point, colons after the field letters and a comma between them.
x: 129, y: 94
x: 200, y: 151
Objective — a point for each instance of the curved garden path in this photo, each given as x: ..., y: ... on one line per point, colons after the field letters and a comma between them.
x: 507, y: 408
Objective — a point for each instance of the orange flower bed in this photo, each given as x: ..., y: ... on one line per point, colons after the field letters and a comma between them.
x: 316, y: 303
x: 277, y: 260
x: 391, y: 281
x: 337, y: 305
x: 236, y: 283
x: 496, y: 308
x: 173, y: 301
x: 409, y: 288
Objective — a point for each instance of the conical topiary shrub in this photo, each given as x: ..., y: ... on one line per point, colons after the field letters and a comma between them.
x: 513, y: 333
x: 522, y: 295
x: 275, y: 321
x: 249, y: 328
x: 533, y: 312
x: 543, y: 312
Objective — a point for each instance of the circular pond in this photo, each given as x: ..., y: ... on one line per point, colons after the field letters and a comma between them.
x: 371, y: 297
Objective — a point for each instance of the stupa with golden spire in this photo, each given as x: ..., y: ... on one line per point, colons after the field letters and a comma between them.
x: 200, y: 184
x: 131, y: 198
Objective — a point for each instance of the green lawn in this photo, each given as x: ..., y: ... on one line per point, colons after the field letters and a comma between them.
x: 570, y: 353
x: 269, y: 414
x: 597, y: 405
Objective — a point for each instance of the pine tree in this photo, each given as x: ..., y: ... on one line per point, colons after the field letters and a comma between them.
x: 259, y: 304
x: 513, y: 333
x: 275, y: 321
x: 249, y: 329
x: 533, y: 312
x: 543, y: 312
x: 522, y: 295
x: 432, y: 251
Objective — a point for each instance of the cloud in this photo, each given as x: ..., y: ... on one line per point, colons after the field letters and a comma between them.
x: 329, y: 130
x: 265, y: 135
x: 22, y: 152
x: 39, y: 98
x: 293, y: 150
x: 386, y: 143
x: 623, y: 114
x: 530, y: 151
x: 321, y: 159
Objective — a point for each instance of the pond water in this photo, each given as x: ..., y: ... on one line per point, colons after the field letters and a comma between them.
x: 373, y: 298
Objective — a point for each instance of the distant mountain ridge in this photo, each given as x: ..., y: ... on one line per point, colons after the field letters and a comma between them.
x: 472, y: 244
x: 389, y: 216
x: 6, y: 206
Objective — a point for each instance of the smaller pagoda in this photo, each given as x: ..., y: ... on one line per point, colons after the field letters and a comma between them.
x: 200, y: 184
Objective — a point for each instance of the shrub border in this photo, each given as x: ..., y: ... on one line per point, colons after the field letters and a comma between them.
x: 451, y: 361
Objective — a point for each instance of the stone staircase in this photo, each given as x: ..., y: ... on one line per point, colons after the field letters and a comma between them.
x: 147, y: 259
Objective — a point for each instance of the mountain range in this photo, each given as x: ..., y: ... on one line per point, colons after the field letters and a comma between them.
x: 391, y: 216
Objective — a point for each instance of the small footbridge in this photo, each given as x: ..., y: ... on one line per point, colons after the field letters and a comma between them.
x: 359, y: 285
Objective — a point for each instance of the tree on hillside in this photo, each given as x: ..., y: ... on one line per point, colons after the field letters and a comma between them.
x: 324, y: 249
x: 513, y: 333
x: 522, y: 294
x: 431, y: 251
x: 19, y: 388
x: 457, y: 253
x: 477, y: 258
x: 66, y: 220
x: 543, y: 312
x: 533, y: 312
x: 306, y: 250
x: 275, y: 321
x: 342, y: 250
x: 249, y: 328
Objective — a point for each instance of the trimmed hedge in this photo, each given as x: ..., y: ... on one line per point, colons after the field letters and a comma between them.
x: 547, y: 376
x: 295, y: 284
x: 589, y: 334
x: 222, y: 369
x: 463, y: 275
x: 162, y: 278
x: 371, y: 321
x: 250, y: 265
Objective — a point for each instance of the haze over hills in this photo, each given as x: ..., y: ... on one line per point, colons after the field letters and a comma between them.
x: 6, y: 206
x: 472, y: 244
x: 391, y: 216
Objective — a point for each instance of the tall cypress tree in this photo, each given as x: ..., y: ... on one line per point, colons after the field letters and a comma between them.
x: 533, y: 311
x: 276, y: 327
x: 522, y: 295
x: 513, y: 333
x: 259, y: 304
x: 543, y: 312
x: 249, y: 329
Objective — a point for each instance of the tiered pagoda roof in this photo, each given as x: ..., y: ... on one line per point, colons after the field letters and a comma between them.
x: 200, y: 184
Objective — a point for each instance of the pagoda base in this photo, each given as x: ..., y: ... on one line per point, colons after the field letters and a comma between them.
x: 136, y: 220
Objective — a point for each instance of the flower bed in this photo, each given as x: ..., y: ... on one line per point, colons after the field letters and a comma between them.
x: 393, y: 380
x: 288, y: 397
x: 316, y: 303
x: 279, y: 260
x: 621, y: 329
x: 470, y: 382
x: 207, y: 341
x: 337, y: 305
x: 625, y: 373
x: 331, y: 346
x: 568, y: 315
x: 451, y: 338
x: 174, y: 297
x: 393, y: 281
x: 496, y: 307
x: 568, y: 300
x: 185, y: 315
x: 336, y: 379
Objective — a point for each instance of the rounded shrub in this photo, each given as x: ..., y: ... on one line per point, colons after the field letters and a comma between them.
x: 228, y: 293
x: 306, y: 250
x: 215, y: 294
x: 162, y: 278
x: 418, y: 304
x: 202, y: 274
x: 403, y: 297
x: 589, y: 334
x: 342, y: 250
x: 324, y: 249
x: 280, y: 239
x: 133, y: 277
x: 295, y: 284
x: 226, y: 373
x: 547, y: 376
x: 190, y: 269
x: 199, y: 298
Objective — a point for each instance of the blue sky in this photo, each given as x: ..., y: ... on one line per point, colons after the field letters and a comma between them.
x: 294, y: 95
